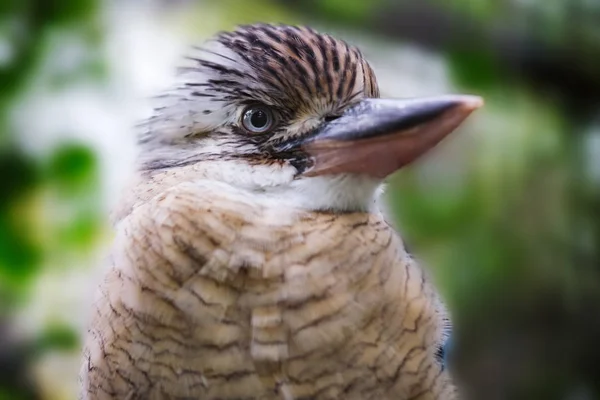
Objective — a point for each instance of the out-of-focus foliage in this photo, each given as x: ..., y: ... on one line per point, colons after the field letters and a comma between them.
x: 506, y: 214
x: 28, y: 28
x: 38, y: 187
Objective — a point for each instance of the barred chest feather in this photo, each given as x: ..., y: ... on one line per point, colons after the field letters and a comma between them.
x: 216, y: 294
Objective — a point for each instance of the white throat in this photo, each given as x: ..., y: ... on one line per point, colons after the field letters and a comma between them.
x: 279, y: 187
x: 334, y: 192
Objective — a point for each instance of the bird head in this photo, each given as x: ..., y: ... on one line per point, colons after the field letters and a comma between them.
x: 292, y: 114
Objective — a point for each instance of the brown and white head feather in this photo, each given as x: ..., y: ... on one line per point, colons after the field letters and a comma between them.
x: 304, y: 76
x: 302, y: 73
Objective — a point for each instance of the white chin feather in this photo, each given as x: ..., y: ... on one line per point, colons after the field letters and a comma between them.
x: 279, y: 187
x: 331, y: 192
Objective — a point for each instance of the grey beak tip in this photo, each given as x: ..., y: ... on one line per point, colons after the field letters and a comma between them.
x: 468, y: 102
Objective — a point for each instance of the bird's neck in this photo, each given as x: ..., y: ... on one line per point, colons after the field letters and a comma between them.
x: 343, y: 193
x: 338, y: 194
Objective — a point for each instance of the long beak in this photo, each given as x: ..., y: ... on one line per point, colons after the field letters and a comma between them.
x: 378, y: 136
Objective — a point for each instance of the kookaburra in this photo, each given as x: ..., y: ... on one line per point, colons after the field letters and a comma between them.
x: 250, y: 260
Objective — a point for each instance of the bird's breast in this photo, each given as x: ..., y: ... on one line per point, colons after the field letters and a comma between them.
x: 222, y: 297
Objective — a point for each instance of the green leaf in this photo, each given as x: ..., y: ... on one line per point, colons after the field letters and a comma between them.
x: 474, y: 69
x: 82, y: 230
x: 57, y: 336
x: 73, y: 168
x: 19, y: 255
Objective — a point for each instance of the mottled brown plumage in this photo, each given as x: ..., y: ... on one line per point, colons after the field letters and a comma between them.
x: 213, y: 297
x: 235, y: 273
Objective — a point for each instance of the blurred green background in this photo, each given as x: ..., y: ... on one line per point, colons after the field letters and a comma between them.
x: 506, y: 213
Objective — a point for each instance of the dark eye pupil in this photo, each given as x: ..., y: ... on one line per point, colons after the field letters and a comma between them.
x: 259, y: 119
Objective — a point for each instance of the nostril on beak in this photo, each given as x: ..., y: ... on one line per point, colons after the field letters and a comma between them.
x: 329, y: 118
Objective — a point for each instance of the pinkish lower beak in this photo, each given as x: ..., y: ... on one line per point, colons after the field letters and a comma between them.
x: 379, y: 136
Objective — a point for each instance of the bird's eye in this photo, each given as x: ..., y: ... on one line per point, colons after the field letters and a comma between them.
x: 258, y: 119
